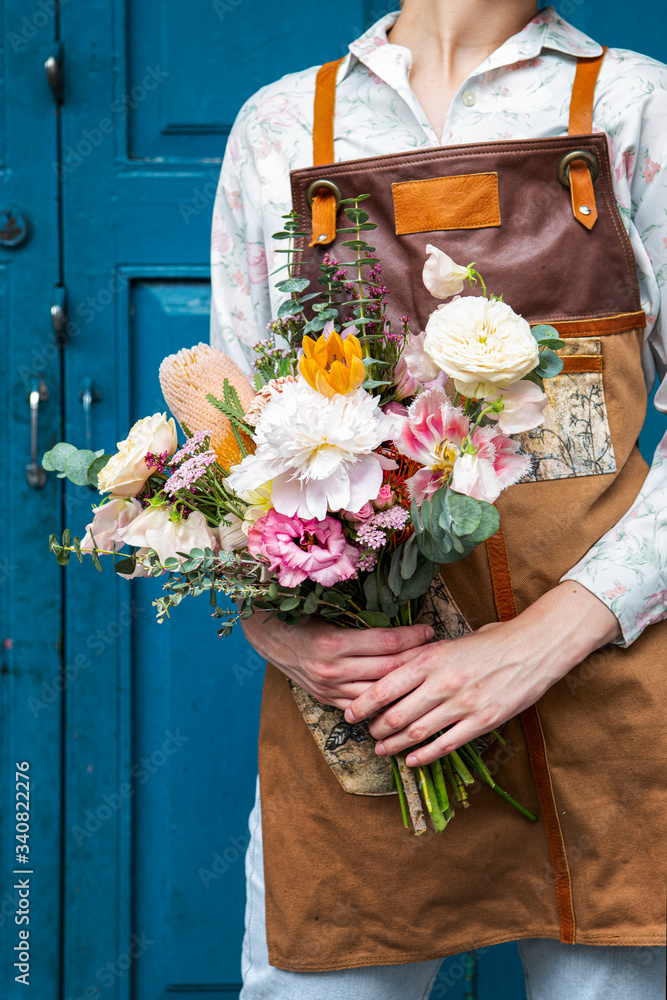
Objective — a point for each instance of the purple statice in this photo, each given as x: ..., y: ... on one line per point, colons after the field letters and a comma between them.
x: 157, y: 462
x: 189, y: 472
x: 370, y: 537
x: 191, y: 446
x: 394, y: 518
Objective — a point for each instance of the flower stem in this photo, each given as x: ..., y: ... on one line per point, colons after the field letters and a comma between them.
x: 461, y: 768
x: 440, y: 786
x: 401, y: 794
x: 431, y: 799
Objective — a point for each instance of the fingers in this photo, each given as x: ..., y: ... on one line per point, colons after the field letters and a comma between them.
x: 386, y: 690
x: 454, y: 738
x: 376, y: 641
x: 422, y: 728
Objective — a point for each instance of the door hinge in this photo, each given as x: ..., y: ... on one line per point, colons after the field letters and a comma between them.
x: 55, y: 73
x: 59, y: 314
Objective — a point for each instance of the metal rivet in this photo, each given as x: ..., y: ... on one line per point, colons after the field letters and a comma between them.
x: 584, y: 209
x: 469, y: 97
x: 322, y: 237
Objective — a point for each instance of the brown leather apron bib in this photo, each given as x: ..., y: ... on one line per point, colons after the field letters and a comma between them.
x: 346, y: 885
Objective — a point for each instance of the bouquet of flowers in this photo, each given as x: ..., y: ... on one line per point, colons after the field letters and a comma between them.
x: 357, y: 461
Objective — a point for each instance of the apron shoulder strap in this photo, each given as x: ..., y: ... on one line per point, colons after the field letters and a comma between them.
x: 325, y: 106
x: 583, y: 91
x: 324, y: 202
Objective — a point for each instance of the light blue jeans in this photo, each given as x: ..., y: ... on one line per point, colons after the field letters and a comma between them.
x: 553, y: 971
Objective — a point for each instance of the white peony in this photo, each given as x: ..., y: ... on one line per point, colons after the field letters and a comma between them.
x: 318, y: 450
x: 441, y: 275
x: 481, y: 343
x: 107, y: 519
x: 126, y: 472
x: 162, y: 529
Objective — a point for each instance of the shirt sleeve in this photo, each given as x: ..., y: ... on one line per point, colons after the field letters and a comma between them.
x: 240, y: 306
x: 627, y: 568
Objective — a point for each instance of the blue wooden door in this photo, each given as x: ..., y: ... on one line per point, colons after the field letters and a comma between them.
x: 153, y: 729
x: 33, y: 662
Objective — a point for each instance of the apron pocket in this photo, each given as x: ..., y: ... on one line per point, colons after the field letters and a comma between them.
x: 574, y: 439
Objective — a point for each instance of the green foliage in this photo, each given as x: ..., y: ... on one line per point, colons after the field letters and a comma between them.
x: 449, y: 525
x: 80, y: 466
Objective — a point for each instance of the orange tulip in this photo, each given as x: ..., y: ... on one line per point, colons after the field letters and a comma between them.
x: 332, y: 365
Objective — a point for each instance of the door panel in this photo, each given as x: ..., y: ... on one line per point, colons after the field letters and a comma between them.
x: 160, y: 725
x: 32, y: 660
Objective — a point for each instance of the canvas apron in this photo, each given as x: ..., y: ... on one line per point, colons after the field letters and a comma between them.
x: 346, y: 885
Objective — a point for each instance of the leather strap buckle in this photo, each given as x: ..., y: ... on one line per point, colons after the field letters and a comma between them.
x: 589, y: 158
x: 577, y: 171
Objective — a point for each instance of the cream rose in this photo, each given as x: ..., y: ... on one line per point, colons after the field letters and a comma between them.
x: 481, y: 343
x: 126, y: 472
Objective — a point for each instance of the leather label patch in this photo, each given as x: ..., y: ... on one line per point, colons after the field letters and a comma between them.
x: 461, y: 201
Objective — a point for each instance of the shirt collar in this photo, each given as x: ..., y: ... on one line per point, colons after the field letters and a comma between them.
x: 391, y: 63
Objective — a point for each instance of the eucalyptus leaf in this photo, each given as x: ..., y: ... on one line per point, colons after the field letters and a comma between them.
x: 466, y: 513
x: 57, y: 456
x: 310, y: 604
x: 409, y: 558
x: 96, y: 467
x: 125, y: 567
x: 375, y: 619
x: 550, y: 364
x: 76, y: 466
x: 420, y: 581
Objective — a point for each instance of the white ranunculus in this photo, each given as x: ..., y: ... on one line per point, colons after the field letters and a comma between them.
x: 161, y: 528
x: 319, y: 451
x: 441, y: 275
x: 481, y: 343
x: 126, y: 472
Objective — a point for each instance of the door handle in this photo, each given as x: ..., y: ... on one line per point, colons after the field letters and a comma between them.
x: 54, y: 73
x: 89, y: 394
x: 35, y: 474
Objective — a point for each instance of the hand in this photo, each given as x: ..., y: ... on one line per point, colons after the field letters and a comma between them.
x: 334, y: 664
x: 479, y: 681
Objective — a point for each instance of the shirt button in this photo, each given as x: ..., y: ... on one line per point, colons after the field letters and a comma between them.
x: 469, y: 97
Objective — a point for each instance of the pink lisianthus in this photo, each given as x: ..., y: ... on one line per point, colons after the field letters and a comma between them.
x: 299, y: 550
x: 492, y: 467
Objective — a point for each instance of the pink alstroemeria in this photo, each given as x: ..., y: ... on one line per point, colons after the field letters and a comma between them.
x: 299, y: 550
x: 523, y: 406
x: 494, y: 465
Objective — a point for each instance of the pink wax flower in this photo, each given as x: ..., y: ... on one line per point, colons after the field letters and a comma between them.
x: 299, y: 550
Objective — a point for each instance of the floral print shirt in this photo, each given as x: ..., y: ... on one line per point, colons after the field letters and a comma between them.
x: 522, y: 90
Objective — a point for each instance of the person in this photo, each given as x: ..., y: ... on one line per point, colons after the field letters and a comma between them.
x: 586, y: 903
